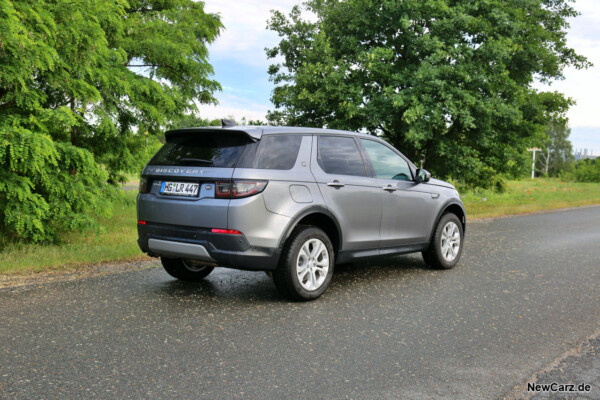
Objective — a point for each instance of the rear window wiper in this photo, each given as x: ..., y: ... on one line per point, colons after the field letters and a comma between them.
x: 195, y: 160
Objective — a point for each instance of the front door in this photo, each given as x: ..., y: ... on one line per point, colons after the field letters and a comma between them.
x: 407, y: 214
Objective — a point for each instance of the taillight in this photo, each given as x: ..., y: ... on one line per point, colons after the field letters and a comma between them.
x: 238, y: 189
x: 145, y: 184
x: 247, y: 188
x: 223, y: 190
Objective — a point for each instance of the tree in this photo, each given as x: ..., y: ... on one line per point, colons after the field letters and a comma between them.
x: 448, y: 82
x: 193, y: 120
x: 85, y: 90
x: 557, y: 152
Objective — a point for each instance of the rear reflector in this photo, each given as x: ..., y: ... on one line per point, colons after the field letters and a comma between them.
x: 226, y: 231
x: 142, y: 222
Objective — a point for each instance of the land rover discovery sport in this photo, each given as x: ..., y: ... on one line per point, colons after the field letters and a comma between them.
x: 293, y: 201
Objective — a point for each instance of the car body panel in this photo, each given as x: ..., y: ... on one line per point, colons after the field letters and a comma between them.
x: 277, y: 196
x: 260, y: 226
x: 407, y: 215
x: 206, y: 211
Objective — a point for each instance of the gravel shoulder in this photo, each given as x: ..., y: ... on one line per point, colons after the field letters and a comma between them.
x: 72, y: 274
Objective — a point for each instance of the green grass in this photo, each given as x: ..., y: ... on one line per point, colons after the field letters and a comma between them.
x: 530, y: 195
x: 118, y: 240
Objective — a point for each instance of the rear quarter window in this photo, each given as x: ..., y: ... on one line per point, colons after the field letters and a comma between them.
x: 272, y: 152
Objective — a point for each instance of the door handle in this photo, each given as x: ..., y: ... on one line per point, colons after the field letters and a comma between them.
x: 336, y: 184
x: 390, y: 188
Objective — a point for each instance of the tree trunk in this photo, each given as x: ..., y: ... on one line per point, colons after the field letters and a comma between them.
x: 73, y: 128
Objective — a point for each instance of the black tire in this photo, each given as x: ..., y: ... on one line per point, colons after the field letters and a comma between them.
x: 286, y: 275
x: 434, y: 256
x: 185, y: 270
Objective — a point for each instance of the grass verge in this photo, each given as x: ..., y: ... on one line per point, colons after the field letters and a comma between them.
x: 118, y: 240
x: 529, y: 196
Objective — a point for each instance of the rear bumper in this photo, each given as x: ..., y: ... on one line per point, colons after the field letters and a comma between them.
x: 232, y: 251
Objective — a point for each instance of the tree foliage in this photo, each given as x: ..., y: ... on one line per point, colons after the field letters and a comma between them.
x: 586, y: 170
x: 85, y: 88
x: 192, y: 120
x: 448, y: 82
x: 557, y: 151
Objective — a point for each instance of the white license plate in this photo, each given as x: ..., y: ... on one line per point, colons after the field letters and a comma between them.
x: 179, y: 188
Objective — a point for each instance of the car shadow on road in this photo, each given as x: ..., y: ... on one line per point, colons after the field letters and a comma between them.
x: 225, y: 284
x: 391, y: 264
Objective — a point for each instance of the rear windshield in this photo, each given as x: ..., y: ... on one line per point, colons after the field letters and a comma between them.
x: 207, y: 150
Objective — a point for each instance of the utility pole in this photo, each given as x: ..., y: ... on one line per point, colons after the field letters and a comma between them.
x: 533, y: 149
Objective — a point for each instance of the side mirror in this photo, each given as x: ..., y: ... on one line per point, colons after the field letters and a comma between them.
x: 423, y: 176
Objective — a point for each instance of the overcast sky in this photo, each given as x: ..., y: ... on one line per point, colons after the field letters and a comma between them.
x: 240, y: 64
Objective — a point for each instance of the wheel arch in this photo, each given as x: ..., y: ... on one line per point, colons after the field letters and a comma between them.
x: 320, y: 217
x: 453, y: 207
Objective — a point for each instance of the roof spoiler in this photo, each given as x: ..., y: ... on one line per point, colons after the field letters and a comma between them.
x: 252, y: 133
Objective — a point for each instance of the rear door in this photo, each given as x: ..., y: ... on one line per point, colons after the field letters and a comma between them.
x: 348, y: 190
x: 182, y: 178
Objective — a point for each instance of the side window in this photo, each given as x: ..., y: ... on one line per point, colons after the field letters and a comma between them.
x: 386, y: 162
x: 272, y: 152
x: 340, y: 155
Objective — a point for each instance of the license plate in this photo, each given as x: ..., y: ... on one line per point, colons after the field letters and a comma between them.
x: 179, y: 188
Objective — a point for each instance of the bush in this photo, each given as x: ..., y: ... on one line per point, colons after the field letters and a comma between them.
x: 495, y: 183
x: 587, y: 171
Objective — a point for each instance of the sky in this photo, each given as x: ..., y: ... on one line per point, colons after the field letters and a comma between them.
x: 240, y: 63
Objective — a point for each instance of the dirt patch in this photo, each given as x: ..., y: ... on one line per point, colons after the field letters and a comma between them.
x: 75, y: 273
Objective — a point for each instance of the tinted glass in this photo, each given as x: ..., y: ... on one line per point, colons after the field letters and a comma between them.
x: 272, y: 152
x: 386, y: 162
x: 207, y: 150
x: 340, y: 155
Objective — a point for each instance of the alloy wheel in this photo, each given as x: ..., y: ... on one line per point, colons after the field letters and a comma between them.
x: 312, y: 264
x: 450, y: 241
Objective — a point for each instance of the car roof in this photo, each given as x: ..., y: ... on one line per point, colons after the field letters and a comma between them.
x: 256, y: 132
x: 294, y: 129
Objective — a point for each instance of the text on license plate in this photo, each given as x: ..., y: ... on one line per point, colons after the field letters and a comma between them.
x: 180, y: 188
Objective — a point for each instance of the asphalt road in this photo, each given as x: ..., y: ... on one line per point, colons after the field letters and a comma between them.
x: 526, y: 290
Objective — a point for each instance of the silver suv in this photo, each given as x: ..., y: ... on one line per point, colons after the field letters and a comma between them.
x: 290, y: 201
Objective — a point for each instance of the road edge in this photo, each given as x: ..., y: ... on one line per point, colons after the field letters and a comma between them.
x: 82, y: 271
x: 547, y: 211
x: 519, y: 392
x: 20, y: 280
